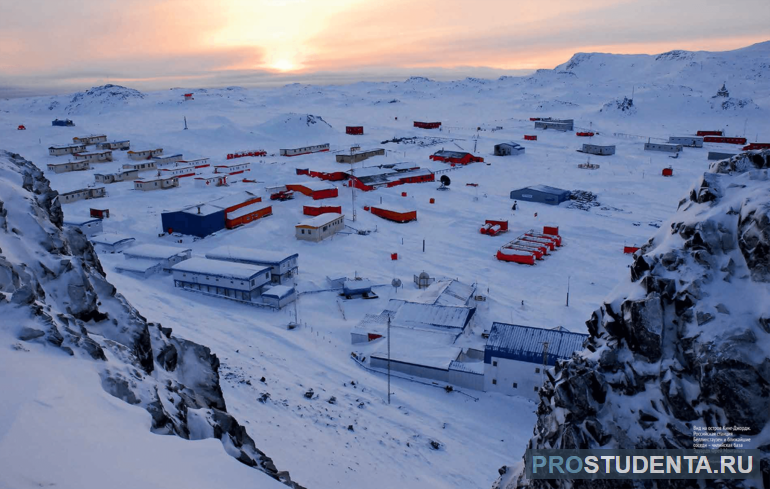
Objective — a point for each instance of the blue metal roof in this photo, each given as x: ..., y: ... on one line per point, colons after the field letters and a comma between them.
x: 525, y: 343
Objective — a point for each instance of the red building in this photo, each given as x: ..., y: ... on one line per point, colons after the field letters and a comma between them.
x: 709, y: 133
x: 317, y: 210
x: 756, y: 146
x: 370, y: 178
x: 427, y: 125
x: 722, y: 139
x: 530, y: 137
x: 584, y: 134
x: 188, y: 96
x: 394, y: 214
x: 315, y: 190
x: 334, y: 176
x: 244, y: 154
x: 668, y: 172
x: 457, y: 157
x: 245, y: 214
x: 355, y: 130
x: 100, y: 213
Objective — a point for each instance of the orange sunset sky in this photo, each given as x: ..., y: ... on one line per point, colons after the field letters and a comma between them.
x: 75, y: 44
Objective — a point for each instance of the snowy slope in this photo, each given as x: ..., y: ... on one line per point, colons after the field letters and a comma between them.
x: 391, y: 443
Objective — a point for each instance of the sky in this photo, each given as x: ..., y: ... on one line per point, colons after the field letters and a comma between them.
x: 55, y: 46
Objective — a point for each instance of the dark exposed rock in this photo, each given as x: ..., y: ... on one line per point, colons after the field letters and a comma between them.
x: 29, y: 334
x: 167, y: 358
x: 675, y: 338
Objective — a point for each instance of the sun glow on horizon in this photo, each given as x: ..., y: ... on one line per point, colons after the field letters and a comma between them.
x: 283, y: 64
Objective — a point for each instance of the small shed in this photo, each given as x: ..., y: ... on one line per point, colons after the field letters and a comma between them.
x: 62, y: 123
x: 89, y: 226
x: 542, y: 194
x: 508, y: 149
x: 355, y: 130
x: 211, y: 181
x: 530, y: 137
x: 596, y: 149
x: 320, y: 227
x: 279, y: 296
x: 188, y: 96
x: 21, y: 128
x: 394, y: 213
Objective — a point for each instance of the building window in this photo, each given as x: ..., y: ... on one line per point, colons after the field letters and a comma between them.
x: 494, y: 381
x: 515, y: 385
x: 537, y: 370
x: 253, y: 282
x: 494, y: 363
x: 537, y: 388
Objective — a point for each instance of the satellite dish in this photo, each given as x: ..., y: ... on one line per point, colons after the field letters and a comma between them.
x: 396, y: 282
x: 445, y: 181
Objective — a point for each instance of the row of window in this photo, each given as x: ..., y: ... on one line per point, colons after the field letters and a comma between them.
x: 253, y: 281
x: 494, y: 364
x: 515, y: 385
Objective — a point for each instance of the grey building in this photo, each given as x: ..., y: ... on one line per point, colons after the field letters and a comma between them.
x: 121, y: 176
x: 542, y: 194
x: 666, y: 148
x: 283, y: 266
x: 691, y: 141
x: 507, y: 149
x: 69, y: 166
x: 357, y: 156
x: 85, y: 193
x: 596, y: 149
x: 716, y: 156
x: 120, y: 145
x: 557, y: 124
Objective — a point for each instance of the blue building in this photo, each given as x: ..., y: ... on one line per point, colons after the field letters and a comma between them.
x: 542, y: 194
x: 62, y: 122
x: 516, y: 356
x: 203, y: 219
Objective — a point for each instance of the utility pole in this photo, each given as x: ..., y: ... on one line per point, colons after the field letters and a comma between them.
x: 353, y: 188
x: 568, y: 277
x: 388, y: 360
x: 545, y: 361
x: 185, y: 123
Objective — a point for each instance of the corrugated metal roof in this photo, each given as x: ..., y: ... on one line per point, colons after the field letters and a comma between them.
x: 469, y: 367
x: 413, y: 314
x: 525, y: 343
x: 250, y: 255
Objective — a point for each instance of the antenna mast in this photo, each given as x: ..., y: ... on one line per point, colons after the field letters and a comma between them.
x: 353, y: 193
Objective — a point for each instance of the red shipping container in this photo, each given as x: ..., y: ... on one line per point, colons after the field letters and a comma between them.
x: 668, y: 172
x: 516, y: 256
x: 551, y: 230
x: 394, y: 256
x: 709, y: 133
x: 530, y: 137
x: 630, y: 249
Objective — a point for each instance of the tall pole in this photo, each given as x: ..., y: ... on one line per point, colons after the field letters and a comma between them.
x: 352, y: 186
x: 568, y: 277
x: 388, y: 359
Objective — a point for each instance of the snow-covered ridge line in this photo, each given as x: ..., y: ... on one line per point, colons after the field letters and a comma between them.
x: 683, y: 342
x: 54, y: 297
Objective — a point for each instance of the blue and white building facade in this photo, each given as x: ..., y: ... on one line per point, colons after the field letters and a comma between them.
x: 515, y: 357
x: 237, y: 281
x: 283, y: 266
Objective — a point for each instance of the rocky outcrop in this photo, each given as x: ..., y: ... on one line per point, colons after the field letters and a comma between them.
x: 53, y: 276
x: 682, y: 343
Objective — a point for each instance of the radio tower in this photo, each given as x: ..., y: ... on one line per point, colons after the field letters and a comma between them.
x: 352, y: 185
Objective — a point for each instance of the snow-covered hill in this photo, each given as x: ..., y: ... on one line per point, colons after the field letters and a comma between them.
x: 681, y: 343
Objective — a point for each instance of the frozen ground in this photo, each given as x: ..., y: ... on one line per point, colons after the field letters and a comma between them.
x: 390, y: 444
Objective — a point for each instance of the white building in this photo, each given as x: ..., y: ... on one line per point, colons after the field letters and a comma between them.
x: 233, y: 169
x: 163, y: 255
x: 121, y: 176
x: 597, y: 149
x: 283, y: 266
x: 92, y: 139
x: 65, y: 149
x: 69, y: 166
x: 170, y: 160
x: 146, y: 166
x: 211, y: 181
x: 515, y: 357
x: 94, y: 156
x: 506, y: 149
x: 84, y: 193
x: 111, y: 242
x: 89, y: 226
x: 667, y: 148
x: 320, y: 227
x: 691, y: 141
x: 306, y: 150
x: 236, y: 281
x: 180, y: 172
x: 122, y: 145
x: 156, y: 184
x: 145, y: 154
